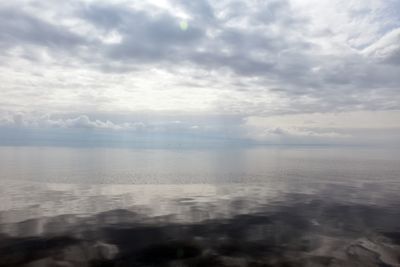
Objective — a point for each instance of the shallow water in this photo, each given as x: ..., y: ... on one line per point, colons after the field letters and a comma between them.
x: 269, y: 206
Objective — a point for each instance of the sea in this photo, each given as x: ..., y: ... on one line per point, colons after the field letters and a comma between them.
x: 239, y: 206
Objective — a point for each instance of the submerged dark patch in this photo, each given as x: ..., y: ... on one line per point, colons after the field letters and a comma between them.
x: 306, y: 233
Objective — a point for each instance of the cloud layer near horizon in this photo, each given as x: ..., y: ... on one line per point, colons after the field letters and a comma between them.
x: 233, y: 69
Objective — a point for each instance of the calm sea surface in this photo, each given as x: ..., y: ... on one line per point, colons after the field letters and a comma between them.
x: 298, y: 206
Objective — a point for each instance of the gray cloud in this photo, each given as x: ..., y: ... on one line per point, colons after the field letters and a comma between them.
x: 20, y: 28
x: 245, y: 58
x: 175, y: 125
x: 201, y: 10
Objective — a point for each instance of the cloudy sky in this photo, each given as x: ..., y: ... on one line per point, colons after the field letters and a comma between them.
x: 257, y: 71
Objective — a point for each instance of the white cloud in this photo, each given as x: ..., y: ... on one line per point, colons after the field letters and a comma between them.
x: 386, y: 48
x: 83, y: 122
x: 355, y: 127
x: 340, y: 120
x: 21, y: 120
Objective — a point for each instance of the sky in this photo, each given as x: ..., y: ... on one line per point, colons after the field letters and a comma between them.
x: 179, y: 71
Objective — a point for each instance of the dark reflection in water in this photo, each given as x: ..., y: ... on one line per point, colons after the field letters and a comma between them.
x: 301, y: 207
x: 301, y: 231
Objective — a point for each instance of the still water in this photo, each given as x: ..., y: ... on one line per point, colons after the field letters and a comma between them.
x: 264, y: 206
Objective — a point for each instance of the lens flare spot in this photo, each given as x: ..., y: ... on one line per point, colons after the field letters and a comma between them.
x: 183, y: 25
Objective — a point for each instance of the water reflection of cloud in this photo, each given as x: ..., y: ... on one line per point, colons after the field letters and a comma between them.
x: 291, y: 230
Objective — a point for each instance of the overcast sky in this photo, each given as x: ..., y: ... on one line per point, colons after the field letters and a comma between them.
x: 263, y: 71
